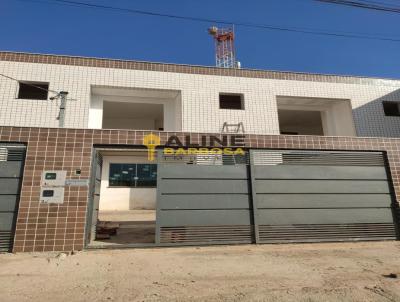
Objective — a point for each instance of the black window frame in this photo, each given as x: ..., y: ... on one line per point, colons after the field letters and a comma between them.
x: 225, y: 106
x: 132, y: 179
x: 38, y: 94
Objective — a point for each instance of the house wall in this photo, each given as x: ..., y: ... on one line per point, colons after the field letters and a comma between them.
x: 337, y: 121
x: 199, y: 107
x: 126, y: 123
x: 124, y: 198
x: 303, y: 130
x: 95, y: 113
x: 61, y: 227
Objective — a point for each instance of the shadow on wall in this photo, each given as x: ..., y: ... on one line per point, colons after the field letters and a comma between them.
x: 370, y: 119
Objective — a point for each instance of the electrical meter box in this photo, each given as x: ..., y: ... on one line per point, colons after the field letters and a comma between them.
x: 52, y: 195
x: 54, y: 178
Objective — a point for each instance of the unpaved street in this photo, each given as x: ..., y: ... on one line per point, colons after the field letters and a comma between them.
x: 302, y: 272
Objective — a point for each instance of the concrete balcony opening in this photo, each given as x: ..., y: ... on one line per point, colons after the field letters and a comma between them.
x: 295, y: 122
x: 315, y: 116
x: 120, y: 115
x: 135, y: 109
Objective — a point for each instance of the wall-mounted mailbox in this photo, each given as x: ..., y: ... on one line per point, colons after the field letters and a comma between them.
x: 54, y: 178
x: 52, y: 195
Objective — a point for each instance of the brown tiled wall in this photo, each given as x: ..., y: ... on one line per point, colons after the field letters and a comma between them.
x: 42, y: 227
x: 191, y: 69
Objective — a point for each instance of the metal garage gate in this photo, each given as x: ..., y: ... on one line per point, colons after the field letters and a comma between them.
x: 203, y: 199
x: 11, y: 169
x: 321, y: 196
x: 282, y: 196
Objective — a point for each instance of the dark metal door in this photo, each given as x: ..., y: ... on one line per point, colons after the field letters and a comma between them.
x: 11, y: 169
x: 203, y: 200
x: 321, y: 196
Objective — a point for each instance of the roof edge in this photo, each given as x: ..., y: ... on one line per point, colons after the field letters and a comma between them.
x: 27, y: 57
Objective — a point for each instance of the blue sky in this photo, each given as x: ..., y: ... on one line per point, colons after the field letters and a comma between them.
x: 48, y: 28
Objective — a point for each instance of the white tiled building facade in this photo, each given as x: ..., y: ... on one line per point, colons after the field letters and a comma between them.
x: 198, y: 108
x: 109, y: 176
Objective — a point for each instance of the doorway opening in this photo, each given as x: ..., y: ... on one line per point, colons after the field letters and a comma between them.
x: 124, y: 198
x: 120, y: 115
x: 300, y: 122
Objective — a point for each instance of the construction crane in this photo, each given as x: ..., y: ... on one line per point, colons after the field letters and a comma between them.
x: 224, y: 47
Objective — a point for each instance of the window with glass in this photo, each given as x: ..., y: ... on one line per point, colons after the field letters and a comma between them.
x: 133, y: 175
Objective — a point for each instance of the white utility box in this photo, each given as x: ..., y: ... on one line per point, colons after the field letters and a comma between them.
x: 54, y: 178
x: 52, y: 195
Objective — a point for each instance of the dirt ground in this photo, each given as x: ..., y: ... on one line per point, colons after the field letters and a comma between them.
x: 301, y: 272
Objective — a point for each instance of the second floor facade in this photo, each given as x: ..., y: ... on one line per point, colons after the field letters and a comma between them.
x: 117, y: 94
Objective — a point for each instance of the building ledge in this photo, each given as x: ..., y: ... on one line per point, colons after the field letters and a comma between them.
x: 190, y: 69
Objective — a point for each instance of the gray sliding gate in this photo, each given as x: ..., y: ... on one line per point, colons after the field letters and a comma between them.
x: 202, y: 201
x: 321, y: 196
x: 11, y: 168
x: 274, y: 196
